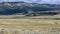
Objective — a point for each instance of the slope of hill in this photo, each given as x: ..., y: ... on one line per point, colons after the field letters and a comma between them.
x: 11, y: 8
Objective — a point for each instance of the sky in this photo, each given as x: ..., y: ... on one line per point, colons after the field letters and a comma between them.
x: 35, y: 1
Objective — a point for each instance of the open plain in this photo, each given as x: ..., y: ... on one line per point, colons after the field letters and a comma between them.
x: 30, y: 24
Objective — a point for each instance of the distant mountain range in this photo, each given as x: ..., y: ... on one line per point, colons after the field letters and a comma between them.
x: 23, y: 8
x: 35, y: 1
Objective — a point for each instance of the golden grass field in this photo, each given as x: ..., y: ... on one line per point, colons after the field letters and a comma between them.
x: 29, y: 24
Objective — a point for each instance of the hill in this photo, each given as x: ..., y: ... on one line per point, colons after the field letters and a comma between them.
x: 28, y: 9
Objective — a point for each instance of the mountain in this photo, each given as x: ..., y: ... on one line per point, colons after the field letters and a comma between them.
x: 35, y: 1
x: 13, y: 8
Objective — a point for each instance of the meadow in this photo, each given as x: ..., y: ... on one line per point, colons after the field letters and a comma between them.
x: 37, y: 24
x: 26, y: 24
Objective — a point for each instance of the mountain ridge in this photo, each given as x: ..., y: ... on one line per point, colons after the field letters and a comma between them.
x: 9, y: 8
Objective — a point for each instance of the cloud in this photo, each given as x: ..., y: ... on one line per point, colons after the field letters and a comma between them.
x: 43, y: 1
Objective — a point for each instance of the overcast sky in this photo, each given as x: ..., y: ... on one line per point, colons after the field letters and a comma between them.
x: 35, y: 1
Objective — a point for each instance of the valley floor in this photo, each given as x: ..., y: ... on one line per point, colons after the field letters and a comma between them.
x: 30, y: 24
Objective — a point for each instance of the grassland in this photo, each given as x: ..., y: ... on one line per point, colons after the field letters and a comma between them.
x: 29, y: 24
x: 37, y: 23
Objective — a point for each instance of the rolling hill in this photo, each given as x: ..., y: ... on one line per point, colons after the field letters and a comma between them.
x: 28, y: 9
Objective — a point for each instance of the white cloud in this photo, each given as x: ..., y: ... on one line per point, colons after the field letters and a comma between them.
x: 44, y: 1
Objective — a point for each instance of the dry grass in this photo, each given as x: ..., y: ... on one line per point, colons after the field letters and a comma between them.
x: 27, y: 24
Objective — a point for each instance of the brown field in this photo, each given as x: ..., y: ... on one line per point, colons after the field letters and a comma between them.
x: 29, y: 24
